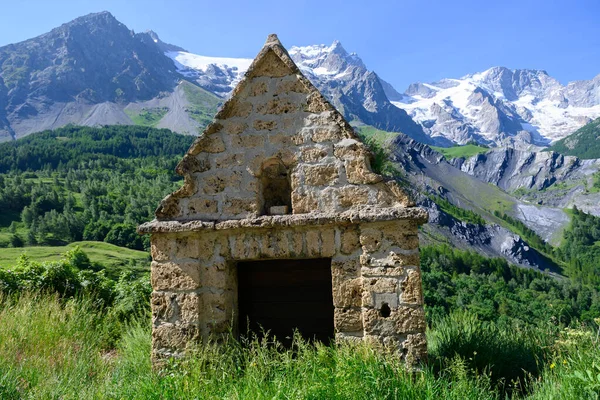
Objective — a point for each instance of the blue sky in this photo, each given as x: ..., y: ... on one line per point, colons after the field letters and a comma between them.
x: 403, y: 41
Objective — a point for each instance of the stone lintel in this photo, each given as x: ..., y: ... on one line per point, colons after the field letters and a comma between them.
x: 362, y: 215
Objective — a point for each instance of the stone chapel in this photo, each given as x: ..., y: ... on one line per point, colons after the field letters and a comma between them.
x: 281, y: 224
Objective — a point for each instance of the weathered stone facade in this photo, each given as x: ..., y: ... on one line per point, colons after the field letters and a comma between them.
x: 278, y: 147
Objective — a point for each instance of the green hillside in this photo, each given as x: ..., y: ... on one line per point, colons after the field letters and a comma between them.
x: 466, y: 151
x: 112, y: 257
x: 583, y: 143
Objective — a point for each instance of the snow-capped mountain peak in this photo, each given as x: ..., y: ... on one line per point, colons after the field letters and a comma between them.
x: 325, y: 60
x: 502, y: 106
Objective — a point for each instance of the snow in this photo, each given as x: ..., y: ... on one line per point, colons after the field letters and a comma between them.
x: 548, y: 119
x: 184, y: 60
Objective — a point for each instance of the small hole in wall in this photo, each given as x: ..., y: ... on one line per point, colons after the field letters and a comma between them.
x: 385, y: 311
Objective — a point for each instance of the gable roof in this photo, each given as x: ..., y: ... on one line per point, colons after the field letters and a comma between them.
x: 276, y: 112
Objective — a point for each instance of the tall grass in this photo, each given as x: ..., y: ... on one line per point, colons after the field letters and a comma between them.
x: 510, y: 354
x: 53, y: 348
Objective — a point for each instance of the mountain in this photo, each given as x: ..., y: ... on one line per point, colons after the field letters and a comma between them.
x: 341, y: 76
x: 583, y: 143
x: 500, y: 106
x: 95, y: 71
x: 79, y: 72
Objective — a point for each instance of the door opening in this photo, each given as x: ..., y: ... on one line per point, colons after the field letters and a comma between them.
x: 279, y: 296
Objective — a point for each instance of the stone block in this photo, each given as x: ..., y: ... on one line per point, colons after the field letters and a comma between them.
x: 248, y: 141
x: 293, y: 85
x: 277, y: 106
x: 381, y: 285
x: 351, y: 195
x: 399, y: 321
x: 271, y: 65
x: 326, y: 133
x: 238, y: 206
x: 370, y: 239
x: 410, y: 320
x: 316, y: 103
x: 229, y: 160
x: 174, y: 337
x: 304, y: 202
x: 217, y: 275
x: 235, y: 108
x: 202, y: 206
x: 175, y: 276
x: 257, y: 88
x: 412, y: 292
x: 349, y: 148
x: 359, y: 172
x: 348, y: 320
x: 319, y: 175
x: 343, y: 269
x: 313, y: 245
x: 297, y: 243
x: 327, y: 242
x: 211, y: 143
x: 415, y: 349
x: 219, y: 180
x: 181, y: 308
x: 162, y: 247
x: 347, y: 292
x: 261, y: 125
x: 313, y: 154
x: 234, y: 127
x: 349, y: 240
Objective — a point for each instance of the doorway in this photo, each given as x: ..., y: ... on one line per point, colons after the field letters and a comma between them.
x: 280, y: 296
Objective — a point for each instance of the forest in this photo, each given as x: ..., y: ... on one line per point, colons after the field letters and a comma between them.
x: 76, y: 184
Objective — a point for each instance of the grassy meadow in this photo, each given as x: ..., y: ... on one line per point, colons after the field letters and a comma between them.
x: 66, y: 349
x: 465, y: 151
x: 109, y: 255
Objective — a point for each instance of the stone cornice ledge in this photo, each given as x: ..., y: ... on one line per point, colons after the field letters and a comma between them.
x: 365, y: 214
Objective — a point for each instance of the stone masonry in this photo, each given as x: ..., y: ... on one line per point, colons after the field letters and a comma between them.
x: 279, y: 174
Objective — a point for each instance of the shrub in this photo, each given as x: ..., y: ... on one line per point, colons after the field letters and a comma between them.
x: 509, y: 353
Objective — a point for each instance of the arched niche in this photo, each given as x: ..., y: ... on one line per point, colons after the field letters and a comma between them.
x: 276, y: 188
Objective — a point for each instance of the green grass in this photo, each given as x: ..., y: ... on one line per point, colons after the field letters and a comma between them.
x: 109, y: 255
x: 52, y: 348
x: 380, y: 137
x: 466, y: 151
x: 147, y: 116
x: 203, y: 104
x: 459, y: 213
x: 49, y: 349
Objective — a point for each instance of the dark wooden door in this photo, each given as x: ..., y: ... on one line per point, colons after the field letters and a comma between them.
x: 282, y: 295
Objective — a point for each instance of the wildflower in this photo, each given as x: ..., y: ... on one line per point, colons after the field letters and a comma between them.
x: 552, y: 366
x: 564, y: 362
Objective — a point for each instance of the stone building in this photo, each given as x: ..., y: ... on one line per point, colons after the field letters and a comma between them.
x: 282, y: 224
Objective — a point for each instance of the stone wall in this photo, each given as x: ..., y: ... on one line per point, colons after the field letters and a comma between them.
x: 275, y: 113
x: 375, y: 278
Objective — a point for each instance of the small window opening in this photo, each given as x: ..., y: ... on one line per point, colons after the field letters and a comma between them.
x: 276, y: 188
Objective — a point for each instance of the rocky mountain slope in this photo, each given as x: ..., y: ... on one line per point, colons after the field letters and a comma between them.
x: 80, y: 72
x: 502, y: 107
x: 541, y: 178
x: 429, y: 176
